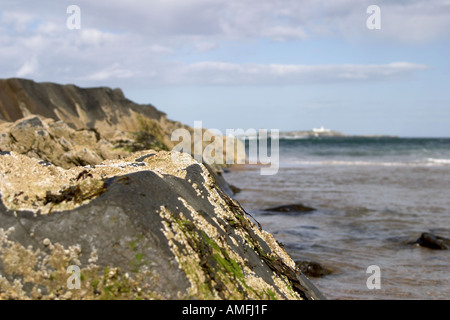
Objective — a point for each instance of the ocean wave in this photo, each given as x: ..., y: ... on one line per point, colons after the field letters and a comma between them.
x: 439, y: 161
x: 352, y: 163
x: 429, y: 163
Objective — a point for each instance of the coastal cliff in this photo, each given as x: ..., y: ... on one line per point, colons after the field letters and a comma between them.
x: 138, y: 224
x: 67, y: 125
x: 104, y: 109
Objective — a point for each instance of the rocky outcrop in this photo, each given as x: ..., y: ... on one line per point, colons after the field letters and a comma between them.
x: 68, y: 125
x: 154, y: 225
x: 432, y: 241
x: 104, y: 109
x: 57, y: 143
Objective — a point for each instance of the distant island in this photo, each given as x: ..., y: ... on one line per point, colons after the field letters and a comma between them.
x: 315, y: 132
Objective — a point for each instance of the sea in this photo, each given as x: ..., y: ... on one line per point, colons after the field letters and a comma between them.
x: 374, y: 197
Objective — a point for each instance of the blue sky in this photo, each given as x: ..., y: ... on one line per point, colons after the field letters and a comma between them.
x: 273, y: 64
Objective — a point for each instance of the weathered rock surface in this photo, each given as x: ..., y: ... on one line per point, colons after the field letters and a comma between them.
x: 105, y: 109
x: 154, y: 225
x: 57, y: 143
x: 68, y: 125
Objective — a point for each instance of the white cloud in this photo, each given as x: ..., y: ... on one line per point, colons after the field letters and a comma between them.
x: 412, y: 20
x: 19, y: 21
x: 144, y: 39
x: 95, y: 37
x: 157, y: 48
x: 48, y: 28
x: 222, y: 73
x: 114, y: 71
x: 29, y: 68
x: 283, y: 33
x: 205, y: 46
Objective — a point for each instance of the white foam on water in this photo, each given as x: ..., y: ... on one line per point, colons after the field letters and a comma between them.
x: 439, y: 161
x: 422, y: 163
x: 347, y: 163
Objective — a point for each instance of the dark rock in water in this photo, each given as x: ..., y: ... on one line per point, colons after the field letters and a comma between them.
x: 312, y: 269
x: 235, y: 189
x: 432, y: 241
x: 291, y: 208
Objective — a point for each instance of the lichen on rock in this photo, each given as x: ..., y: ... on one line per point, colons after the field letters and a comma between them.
x: 158, y: 214
x: 45, y: 275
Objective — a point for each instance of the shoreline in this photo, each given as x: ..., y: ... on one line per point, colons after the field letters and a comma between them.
x: 351, y: 228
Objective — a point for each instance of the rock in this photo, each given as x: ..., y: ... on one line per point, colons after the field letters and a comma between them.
x: 56, y: 143
x: 157, y: 228
x: 101, y: 108
x: 432, y: 241
x: 290, y: 209
x: 215, y: 171
x: 312, y: 269
x: 84, y: 183
x: 141, y: 159
x: 235, y: 189
x: 69, y: 126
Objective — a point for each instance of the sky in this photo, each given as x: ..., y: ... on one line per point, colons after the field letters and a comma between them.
x: 262, y: 64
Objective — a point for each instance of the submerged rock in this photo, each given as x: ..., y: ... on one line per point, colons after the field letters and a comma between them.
x: 152, y: 226
x: 312, y: 269
x: 290, y: 209
x: 235, y: 189
x: 432, y: 241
